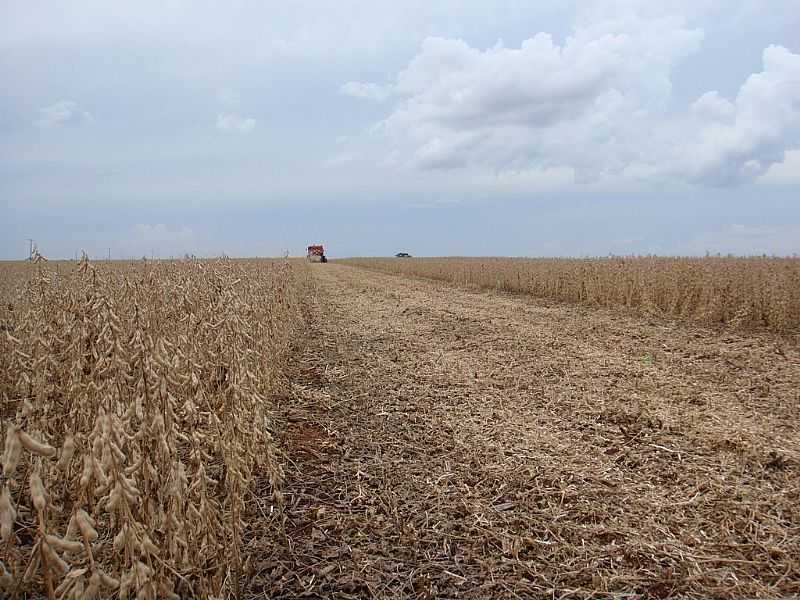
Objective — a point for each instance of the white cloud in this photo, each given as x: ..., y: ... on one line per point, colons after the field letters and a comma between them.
x: 341, y: 159
x: 711, y: 106
x: 60, y: 113
x: 540, y: 105
x: 370, y: 91
x: 762, y: 122
x: 598, y: 104
x: 527, y: 179
x: 233, y: 123
x: 786, y: 172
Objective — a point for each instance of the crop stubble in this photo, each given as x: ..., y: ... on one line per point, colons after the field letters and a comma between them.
x: 457, y: 444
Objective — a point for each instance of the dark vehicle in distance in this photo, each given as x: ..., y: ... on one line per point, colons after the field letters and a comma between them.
x: 403, y: 255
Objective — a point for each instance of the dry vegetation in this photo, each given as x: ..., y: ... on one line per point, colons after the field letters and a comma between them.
x: 451, y: 444
x: 243, y: 429
x: 136, y: 419
x: 742, y: 292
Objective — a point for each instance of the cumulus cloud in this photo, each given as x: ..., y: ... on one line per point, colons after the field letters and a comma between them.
x: 786, y: 172
x: 542, y: 104
x: 233, y: 123
x: 370, y: 91
x: 597, y: 104
x: 765, y: 121
x: 60, y: 113
x: 713, y: 107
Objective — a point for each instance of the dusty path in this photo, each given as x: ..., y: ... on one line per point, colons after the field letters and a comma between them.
x: 458, y: 444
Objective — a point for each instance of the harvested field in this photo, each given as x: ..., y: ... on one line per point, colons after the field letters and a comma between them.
x: 479, y: 445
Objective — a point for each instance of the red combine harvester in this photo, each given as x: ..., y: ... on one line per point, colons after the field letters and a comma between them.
x: 316, y: 254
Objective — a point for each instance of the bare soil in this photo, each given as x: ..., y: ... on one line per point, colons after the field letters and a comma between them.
x: 443, y: 443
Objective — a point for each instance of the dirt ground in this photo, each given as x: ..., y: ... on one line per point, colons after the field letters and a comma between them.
x: 444, y: 443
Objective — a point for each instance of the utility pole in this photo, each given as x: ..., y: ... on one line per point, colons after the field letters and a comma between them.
x: 30, y: 248
x: 109, y: 255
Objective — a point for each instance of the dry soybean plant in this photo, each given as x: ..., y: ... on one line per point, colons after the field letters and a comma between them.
x: 136, y: 405
x: 755, y: 292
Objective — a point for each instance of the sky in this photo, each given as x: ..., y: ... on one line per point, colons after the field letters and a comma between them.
x: 452, y: 127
